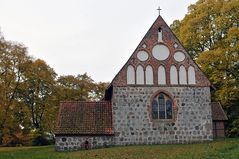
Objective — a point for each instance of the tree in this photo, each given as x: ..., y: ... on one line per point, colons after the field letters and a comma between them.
x: 13, y: 63
x: 37, y: 92
x: 30, y: 93
x: 81, y: 88
x: 210, y: 33
x: 99, y: 91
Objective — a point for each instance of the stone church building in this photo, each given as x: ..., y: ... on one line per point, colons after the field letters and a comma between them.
x: 160, y: 96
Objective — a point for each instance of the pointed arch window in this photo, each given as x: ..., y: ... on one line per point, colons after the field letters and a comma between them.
x: 162, y: 107
x: 130, y: 75
x: 149, y: 75
x: 191, y: 75
x: 140, y: 75
x: 173, y: 75
x: 182, y: 75
x: 161, y: 75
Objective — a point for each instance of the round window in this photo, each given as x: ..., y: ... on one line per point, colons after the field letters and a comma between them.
x: 179, y: 56
x: 160, y: 52
x: 142, y: 55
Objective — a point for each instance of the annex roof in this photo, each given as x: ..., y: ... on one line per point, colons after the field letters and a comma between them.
x: 217, y: 112
x: 84, y: 118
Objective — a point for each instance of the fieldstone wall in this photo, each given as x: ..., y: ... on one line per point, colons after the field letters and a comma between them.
x: 132, y: 116
x: 73, y: 143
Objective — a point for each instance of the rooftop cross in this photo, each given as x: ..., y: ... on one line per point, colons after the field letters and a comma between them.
x: 159, y: 9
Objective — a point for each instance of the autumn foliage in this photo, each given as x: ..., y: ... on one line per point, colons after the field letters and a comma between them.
x: 30, y: 91
x: 210, y: 33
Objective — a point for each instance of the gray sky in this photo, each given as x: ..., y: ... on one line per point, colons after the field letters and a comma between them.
x: 78, y: 36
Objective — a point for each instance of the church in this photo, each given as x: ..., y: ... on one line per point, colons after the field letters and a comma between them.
x: 160, y: 96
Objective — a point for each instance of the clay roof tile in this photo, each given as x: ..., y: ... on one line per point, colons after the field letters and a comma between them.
x: 217, y: 112
x: 84, y: 118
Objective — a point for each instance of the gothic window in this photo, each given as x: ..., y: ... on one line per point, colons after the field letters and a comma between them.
x: 173, y: 75
x: 149, y: 75
x: 139, y: 75
x: 161, y: 75
x: 130, y: 75
x: 162, y: 107
x: 182, y: 75
x: 191, y: 75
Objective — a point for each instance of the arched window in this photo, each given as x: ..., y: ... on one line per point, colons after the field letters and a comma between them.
x: 162, y: 107
x: 161, y: 75
x: 191, y: 75
x: 149, y: 75
x: 140, y: 75
x: 173, y: 75
x: 130, y: 75
x: 182, y: 75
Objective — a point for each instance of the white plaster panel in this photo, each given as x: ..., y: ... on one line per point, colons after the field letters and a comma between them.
x: 142, y: 55
x: 160, y: 52
x: 173, y: 75
x: 140, y: 75
x: 130, y: 75
x: 179, y: 56
x: 161, y: 75
x: 149, y: 75
x: 160, y: 36
x: 182, y: 75
x: 191, y: 75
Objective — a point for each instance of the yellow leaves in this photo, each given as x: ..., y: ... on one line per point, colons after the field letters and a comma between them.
x: 210, y: 31
x: 207, y: 24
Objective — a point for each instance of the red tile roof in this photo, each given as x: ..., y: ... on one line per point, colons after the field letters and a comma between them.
x: 217, y: 112
x: 84, y: 118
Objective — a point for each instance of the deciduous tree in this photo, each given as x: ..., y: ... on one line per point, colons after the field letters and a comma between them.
x: 210, y: 33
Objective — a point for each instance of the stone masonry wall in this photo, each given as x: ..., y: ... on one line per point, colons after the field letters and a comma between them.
x: 133, y: 124
x: 73, y: 143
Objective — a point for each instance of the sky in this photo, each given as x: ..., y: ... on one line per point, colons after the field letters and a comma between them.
x: 78, y: 36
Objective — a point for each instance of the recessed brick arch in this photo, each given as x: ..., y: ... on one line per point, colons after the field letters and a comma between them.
x: 174, y: 106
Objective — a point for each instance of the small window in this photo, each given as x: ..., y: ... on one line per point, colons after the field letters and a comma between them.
x: 160, y: 35
x: 162, y: 107
x: 159, y: 29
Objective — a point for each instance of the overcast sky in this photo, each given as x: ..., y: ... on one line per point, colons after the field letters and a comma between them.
x: 78, y: 36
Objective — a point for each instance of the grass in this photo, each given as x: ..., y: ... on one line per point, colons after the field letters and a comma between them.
x: 219, y: 149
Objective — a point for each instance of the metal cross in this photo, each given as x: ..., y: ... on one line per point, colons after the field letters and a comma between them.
x: 159, y: 9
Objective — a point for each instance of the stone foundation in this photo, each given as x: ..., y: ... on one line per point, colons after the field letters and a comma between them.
x: 73, y: 143
x: 132, y: 116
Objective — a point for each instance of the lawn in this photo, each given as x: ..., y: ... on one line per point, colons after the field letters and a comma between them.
x: 228, y: 149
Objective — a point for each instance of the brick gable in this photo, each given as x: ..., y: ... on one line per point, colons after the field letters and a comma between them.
x: 147, y: 44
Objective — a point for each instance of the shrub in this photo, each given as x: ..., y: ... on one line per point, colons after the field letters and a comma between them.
x: 41, y: 138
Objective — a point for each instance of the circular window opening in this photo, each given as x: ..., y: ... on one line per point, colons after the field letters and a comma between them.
x: 142, y: 55
x: 179, y: 56
x: 160, y: 52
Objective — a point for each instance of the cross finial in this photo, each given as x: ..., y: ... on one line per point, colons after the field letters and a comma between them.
x: 159, y: 9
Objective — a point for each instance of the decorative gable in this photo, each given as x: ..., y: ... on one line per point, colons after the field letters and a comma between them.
x: 160, y: 59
